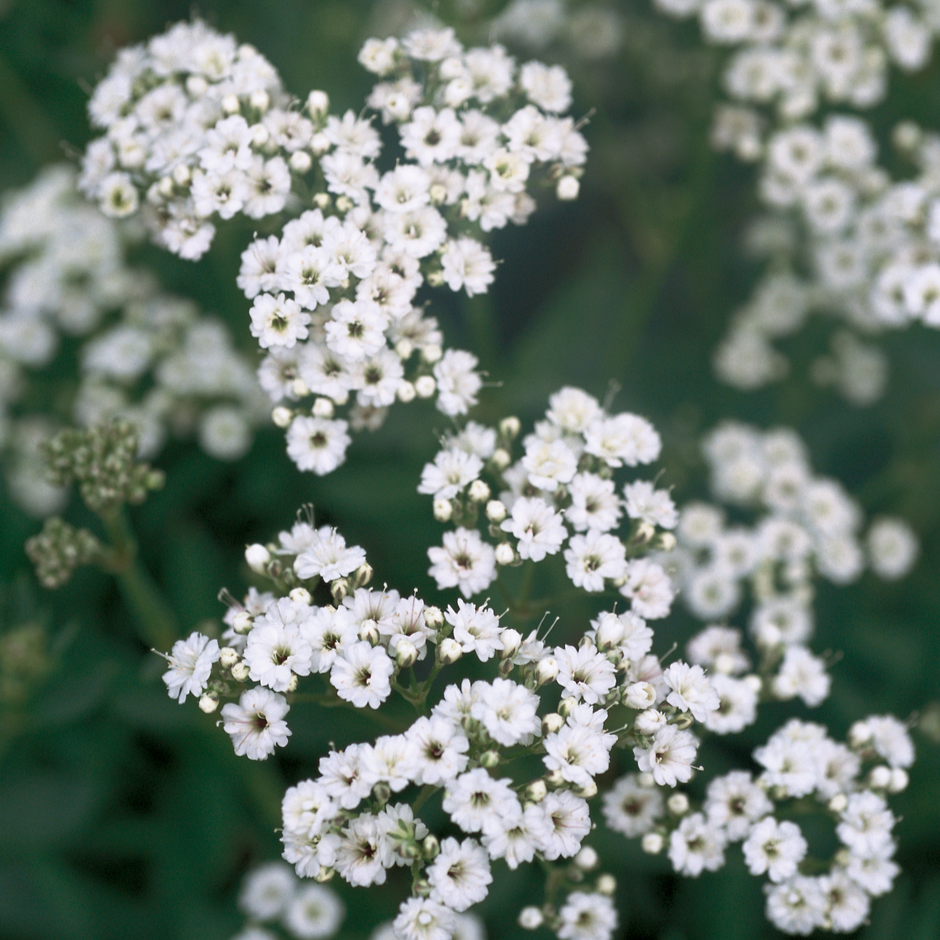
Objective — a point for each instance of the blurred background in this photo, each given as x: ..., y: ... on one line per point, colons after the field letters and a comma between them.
x: 123, y: 814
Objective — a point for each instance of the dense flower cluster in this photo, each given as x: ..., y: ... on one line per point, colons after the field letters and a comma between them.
x: 863, y: 249
x: 848, y: 782
x: 144, y: 356
x: 196, y: 126
x: 559, y: 496
x: 807, y: 526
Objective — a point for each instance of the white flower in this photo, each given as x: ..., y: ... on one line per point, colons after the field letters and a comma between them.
x: 459, y: 876
x: 669, y: 757
x: 594, y: 558
x: 190, y: 663
x: 314, y: 912
x: 537, y: 526
x: 802, y: 674
x: 631, y: 808
x: 645, y: 502
x: 437, y: 751
x: 451, y: 471
x: 690, y: 690
x: 361, y: 675
x: 328, y: 557
x: 594, y: 504
x: 466, y: 263
x: 465, y: 561
x: 267, y: 890
x: 507, y: 710
x: 696, y: 845
x: 364, y: 852
x: 734, y: 801
x: 548, y: 86
x: 317, y: 444
x: 421, y: 919
x: 256, y: 724
x: 584, y: 673
x: 774, y: 847
x: 276, y: 648
x: 570, y: 819
x: 457, y: 382
x: 476, y: 629
x: 797, y: 906
x: 278, y: 321
x: 586, y: 916
x: 475, y: 801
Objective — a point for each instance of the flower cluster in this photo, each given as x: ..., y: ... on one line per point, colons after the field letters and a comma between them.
x: 196, y: 127
x: 334, y: 298
x: 558, y: 496
x: 863, y: 249
x: 796, y: 58
x: 849, y: 783
x: 808, y: 526
x: 272, y: 894
x: 144, y: 356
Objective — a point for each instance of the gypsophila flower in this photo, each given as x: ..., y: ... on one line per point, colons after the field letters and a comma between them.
x: 190, y: 662
x: 256, y: 724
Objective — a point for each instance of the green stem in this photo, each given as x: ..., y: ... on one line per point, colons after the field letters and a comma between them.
x: 156, y: 623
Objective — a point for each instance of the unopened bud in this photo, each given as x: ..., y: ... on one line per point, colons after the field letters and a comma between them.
x: 208, y: 704
x: 431, y: 847
x: 586, y: 859
x: 323, y: 408
x: 665, y: 542
x: 431, y: 353
x: 242, y: 622
x: 240, y: 671
x: 300, y: 595
x: 257, y: 557
x: 496, y: 511
x: 406, y: 654
x: 879, y: 777
x: 479, y: 492
x: 899, y: 780
x: 489, y: 759
x: 425, y: 386
x: 838, y: 803
x: 324, y: 874
x: 443, y: 510
x: 510, y: 427
x: 536, y: 791
x: 231, y: 104
x: 339, y: 589
x: 433, y: 617
x: 406, y: 390
x: 318, y: 104
x: 639, y: 695
x: 530, y: 918
x: 282, y: 416
x: 606, y: 884
x: 182, y: 175
x: 552, y: 722
x: 228, y: 657
x: 403, y: 349
x: 512, y: 641
x: 678, y: 804
x: 505, y: 554
x: 369, y: 632
x: 449, y: 651
x: 546, y: 670
x: 301, y: 161
x: 501, y: 458
x: 260, y: 100
x: 588, y: 790
x: 652, y: 843
x: 567, y: 705
x: 567, y: 188
x: 649, y: 722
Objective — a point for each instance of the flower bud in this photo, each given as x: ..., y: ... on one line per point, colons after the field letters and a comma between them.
x: 323, y: 408
x: 479, y: 492
x: 197, y: 86
x: 282, y: 416
x: 449, y: 651
x: 300, y: 595
x: 228, y: 657
x: 257, y: 557
x: 208, y: 704
x: 652, y: 843
x: 588, y: 790
x: 433, y: 617
x: 231, y: 104
x: 406, y: 654
x: 430, y: 847
x: 546, y: 670
x: 443, y: 510
x: 240, y: 671
x: 512, y: 641
x: 318, y: 104
x: 606, y: 884
x: 536, y: 791
x: 339, y: 589
x: 406, y: 390
x: 530, y: 918
x: 586, y: 859
x: 431, y: 353
x: 489, y: 759
x: 566, y: 705
x: 552, y: 722
x: 567, y: 188
x: 260, y: 100
x: 325, y: 874
x: 425, y: 386
x: 899, y: 780
x: 879, y: 777
x: 403, y: 349
x: 496, y: 511
x: 242, y: 622
x: 649, y: 722
x: 501, y: 458
x: 505, y: 554
x: 838, y: 803
x: 639, y: 695
x: 510, y: 427
x: 678, y: 804
x: 369, y: 632
x: 182, y: 175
